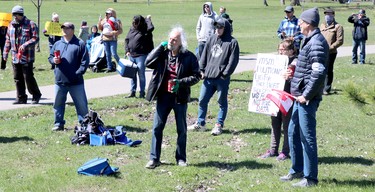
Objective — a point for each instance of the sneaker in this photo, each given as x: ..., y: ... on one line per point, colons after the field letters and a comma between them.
x: 305, y: 183
x: 290, y: 176
x: 354, y: 62
x: 36, y: 99
x: 282, y: 157
x: 269, y: 153
x: 196, y: 127
x: 217, y: 130
x: 142, y: 95
x: 58, y: 128
x: 132, y: 94
x: 152, y: 164
x: 181, y: 163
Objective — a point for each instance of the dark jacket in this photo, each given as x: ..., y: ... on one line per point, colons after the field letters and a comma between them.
x: 187, y: 73
x: 221, y: 54
x: 360, y: 27
x: 74, y: 61
x: 310, y: 72
x: 139, y: 41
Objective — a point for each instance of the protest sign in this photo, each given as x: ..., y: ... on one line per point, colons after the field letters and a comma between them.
x: 267, y: 76
x: 53, y: 28
x: 5, y: 19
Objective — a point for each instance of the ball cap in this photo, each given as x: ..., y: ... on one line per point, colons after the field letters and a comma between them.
x: 289, y: 9
x: 329, y: 10
x: 68, y: 25
x: 17, y: 9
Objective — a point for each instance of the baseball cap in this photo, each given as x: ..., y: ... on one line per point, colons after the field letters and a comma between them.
x: 289, y: 9
x: 68, y: 25
x: 329, y: 10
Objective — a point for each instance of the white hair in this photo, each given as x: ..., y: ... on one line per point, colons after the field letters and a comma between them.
x: 55, y: 15
x: 178, y: 28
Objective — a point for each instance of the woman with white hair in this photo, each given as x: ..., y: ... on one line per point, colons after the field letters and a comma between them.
x: 52, y: 39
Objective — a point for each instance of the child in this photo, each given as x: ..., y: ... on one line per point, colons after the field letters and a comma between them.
x: 287, y: 48
x: 94, y: 33
x: 109, y: 26
x: 84, y: 31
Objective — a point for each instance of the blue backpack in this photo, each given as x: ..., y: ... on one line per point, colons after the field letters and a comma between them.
x: 97, y: 167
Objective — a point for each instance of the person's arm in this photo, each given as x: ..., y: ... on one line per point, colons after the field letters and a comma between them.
x: 154, y: 56
x: 7, y: 46
x: 198, y: 28
x: 150, y: 25
x: 84, y: 56
x: 339, y: 38
x: 34, y: 36
x: 280, y: 31
x: 232, y: 61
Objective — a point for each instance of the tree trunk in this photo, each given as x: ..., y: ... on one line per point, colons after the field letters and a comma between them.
x: 38, y: 5
x: 265, y: 2
x: 115, y: 1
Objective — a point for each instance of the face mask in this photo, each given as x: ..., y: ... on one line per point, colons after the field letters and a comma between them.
x: 329, y: 19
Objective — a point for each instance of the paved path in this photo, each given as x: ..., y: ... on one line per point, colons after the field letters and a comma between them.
x: 115, y: 84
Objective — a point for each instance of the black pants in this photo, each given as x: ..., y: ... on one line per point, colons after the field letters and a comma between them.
x: 23, y: 73
x: 329, y: 76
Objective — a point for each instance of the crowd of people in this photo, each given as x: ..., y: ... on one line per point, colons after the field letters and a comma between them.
x: 311, y: 50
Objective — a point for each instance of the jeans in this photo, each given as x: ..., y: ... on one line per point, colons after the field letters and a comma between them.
x: 209, y: 87
x: 362, y: 54
x: 165, y: 103
x: 329, y: 77
x: 78, y: 94
x: 302, y: 139
x: 24, y: 76
x: 201, y: 45
x: 140, y: 61
x: 110, y: 48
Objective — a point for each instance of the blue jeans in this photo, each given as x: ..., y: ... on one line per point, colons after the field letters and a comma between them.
x: 209, y: 87
x: 110, y: 48
x: 78, y: 94
x: 201, y: 45
x: 362, y: 54
x: 165, y: 103
x: 140, y: 61
x: 302, y: 139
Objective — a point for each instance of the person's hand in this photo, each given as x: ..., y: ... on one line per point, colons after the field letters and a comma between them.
x: 127, y: 54
x: 21, y: 48
x: 57, y: 60
x: 176, y: 85
x: 44, y: 31
x: 301, y: 99
x: 164, y: 43
x: 283, y: 35
x: 202, y: 75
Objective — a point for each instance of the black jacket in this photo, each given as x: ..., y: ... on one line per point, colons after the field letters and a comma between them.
x: 139, y: 41
x: 360, y: 27
x: 187, y: 73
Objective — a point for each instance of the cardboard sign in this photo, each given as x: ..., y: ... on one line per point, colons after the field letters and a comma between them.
x: 53, y: 28
x: 5, y: 19
x: 268, y: 75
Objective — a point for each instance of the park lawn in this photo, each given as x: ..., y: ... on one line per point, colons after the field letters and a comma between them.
x: 254, y: 24
x: 36, y: 159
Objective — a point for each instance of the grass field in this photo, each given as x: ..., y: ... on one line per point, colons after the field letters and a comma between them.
x: 35, y: 159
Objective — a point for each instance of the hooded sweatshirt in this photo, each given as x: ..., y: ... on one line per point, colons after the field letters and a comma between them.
x: 205, y: 26
x: 221, y: 54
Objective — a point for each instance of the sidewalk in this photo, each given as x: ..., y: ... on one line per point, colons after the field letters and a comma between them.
x: 116, y: 85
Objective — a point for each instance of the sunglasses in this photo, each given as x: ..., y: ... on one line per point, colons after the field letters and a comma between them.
x: 16, y: 14
x: 219, y: 27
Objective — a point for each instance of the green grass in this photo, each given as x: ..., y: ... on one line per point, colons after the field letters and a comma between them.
x: 35, y: 159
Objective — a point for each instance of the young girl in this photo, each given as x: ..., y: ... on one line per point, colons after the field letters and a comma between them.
x: 287, y: 48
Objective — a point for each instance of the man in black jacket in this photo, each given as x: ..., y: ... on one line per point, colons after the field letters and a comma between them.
x: 175, y: 70
x: 360, y: 22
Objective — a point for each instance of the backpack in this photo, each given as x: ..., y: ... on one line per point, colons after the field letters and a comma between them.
x: 97, y: 167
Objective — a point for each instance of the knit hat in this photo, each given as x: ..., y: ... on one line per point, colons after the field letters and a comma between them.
x: 311, y: 16
x: 17, y: 9
x: 289, y: 9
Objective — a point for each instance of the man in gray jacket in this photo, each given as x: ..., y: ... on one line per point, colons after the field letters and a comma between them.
x: 205, y: 26
x: 219, y: 60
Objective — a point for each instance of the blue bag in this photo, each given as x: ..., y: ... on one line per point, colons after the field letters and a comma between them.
x: 97, y: 167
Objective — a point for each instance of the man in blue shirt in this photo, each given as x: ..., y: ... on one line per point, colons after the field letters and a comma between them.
x: 289, y: 28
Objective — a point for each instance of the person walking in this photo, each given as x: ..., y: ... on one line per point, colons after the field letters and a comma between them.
x: 205, y: 26
x: 288, y: 27
x: 334, y: 34
x: 307, y: 86
x: 71, y: 59
x: 175, y: 71
x: 360, y: 22
x: 138, y: 43
x: 110, y: 40
x: 21, y: 38
x: 219, y: 60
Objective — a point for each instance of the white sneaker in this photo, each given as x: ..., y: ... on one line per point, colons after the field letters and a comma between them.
x: 196, y: 127
x: 217, y: 130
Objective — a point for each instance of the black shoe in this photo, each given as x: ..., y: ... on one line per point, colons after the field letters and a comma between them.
x: 36, y: 99
x: 20, y: 101
x: 132, y: 94
x: 58, y: 128
x: 142, y: 95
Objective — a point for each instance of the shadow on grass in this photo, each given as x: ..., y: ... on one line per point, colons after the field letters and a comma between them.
x: 253, y: 130
x: 14, y: 139
x: 346, y: 160
x: 358, y: 183
x: 234, y: 166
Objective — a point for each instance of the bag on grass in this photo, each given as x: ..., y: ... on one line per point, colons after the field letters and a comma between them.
x: 97, y: 167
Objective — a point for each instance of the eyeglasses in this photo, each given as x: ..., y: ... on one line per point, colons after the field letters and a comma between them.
x: 300, y: 21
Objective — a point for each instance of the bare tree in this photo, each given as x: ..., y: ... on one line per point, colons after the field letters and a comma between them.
x: 265, y: 2
x: 38, y: 5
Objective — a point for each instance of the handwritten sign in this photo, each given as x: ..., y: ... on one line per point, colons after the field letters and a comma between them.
x: 53, y: 28
x: 5, y: 19
x: 268, y: 75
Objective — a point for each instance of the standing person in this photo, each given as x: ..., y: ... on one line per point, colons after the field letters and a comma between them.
x: 289, y: 27
x: 83, y: 31
x: 21, y: 38
x: 52, y: 39
x: 307, y: 86
x: 138, y: 43
x: 334, y: 34
x: 219, y: 60
x: 171, y: 62
x: 110, y: 40
x: 360, y: 22
x: 205, y: 26
x: 3, y: 32
x: 286, y: 47
x: 70, y: 67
